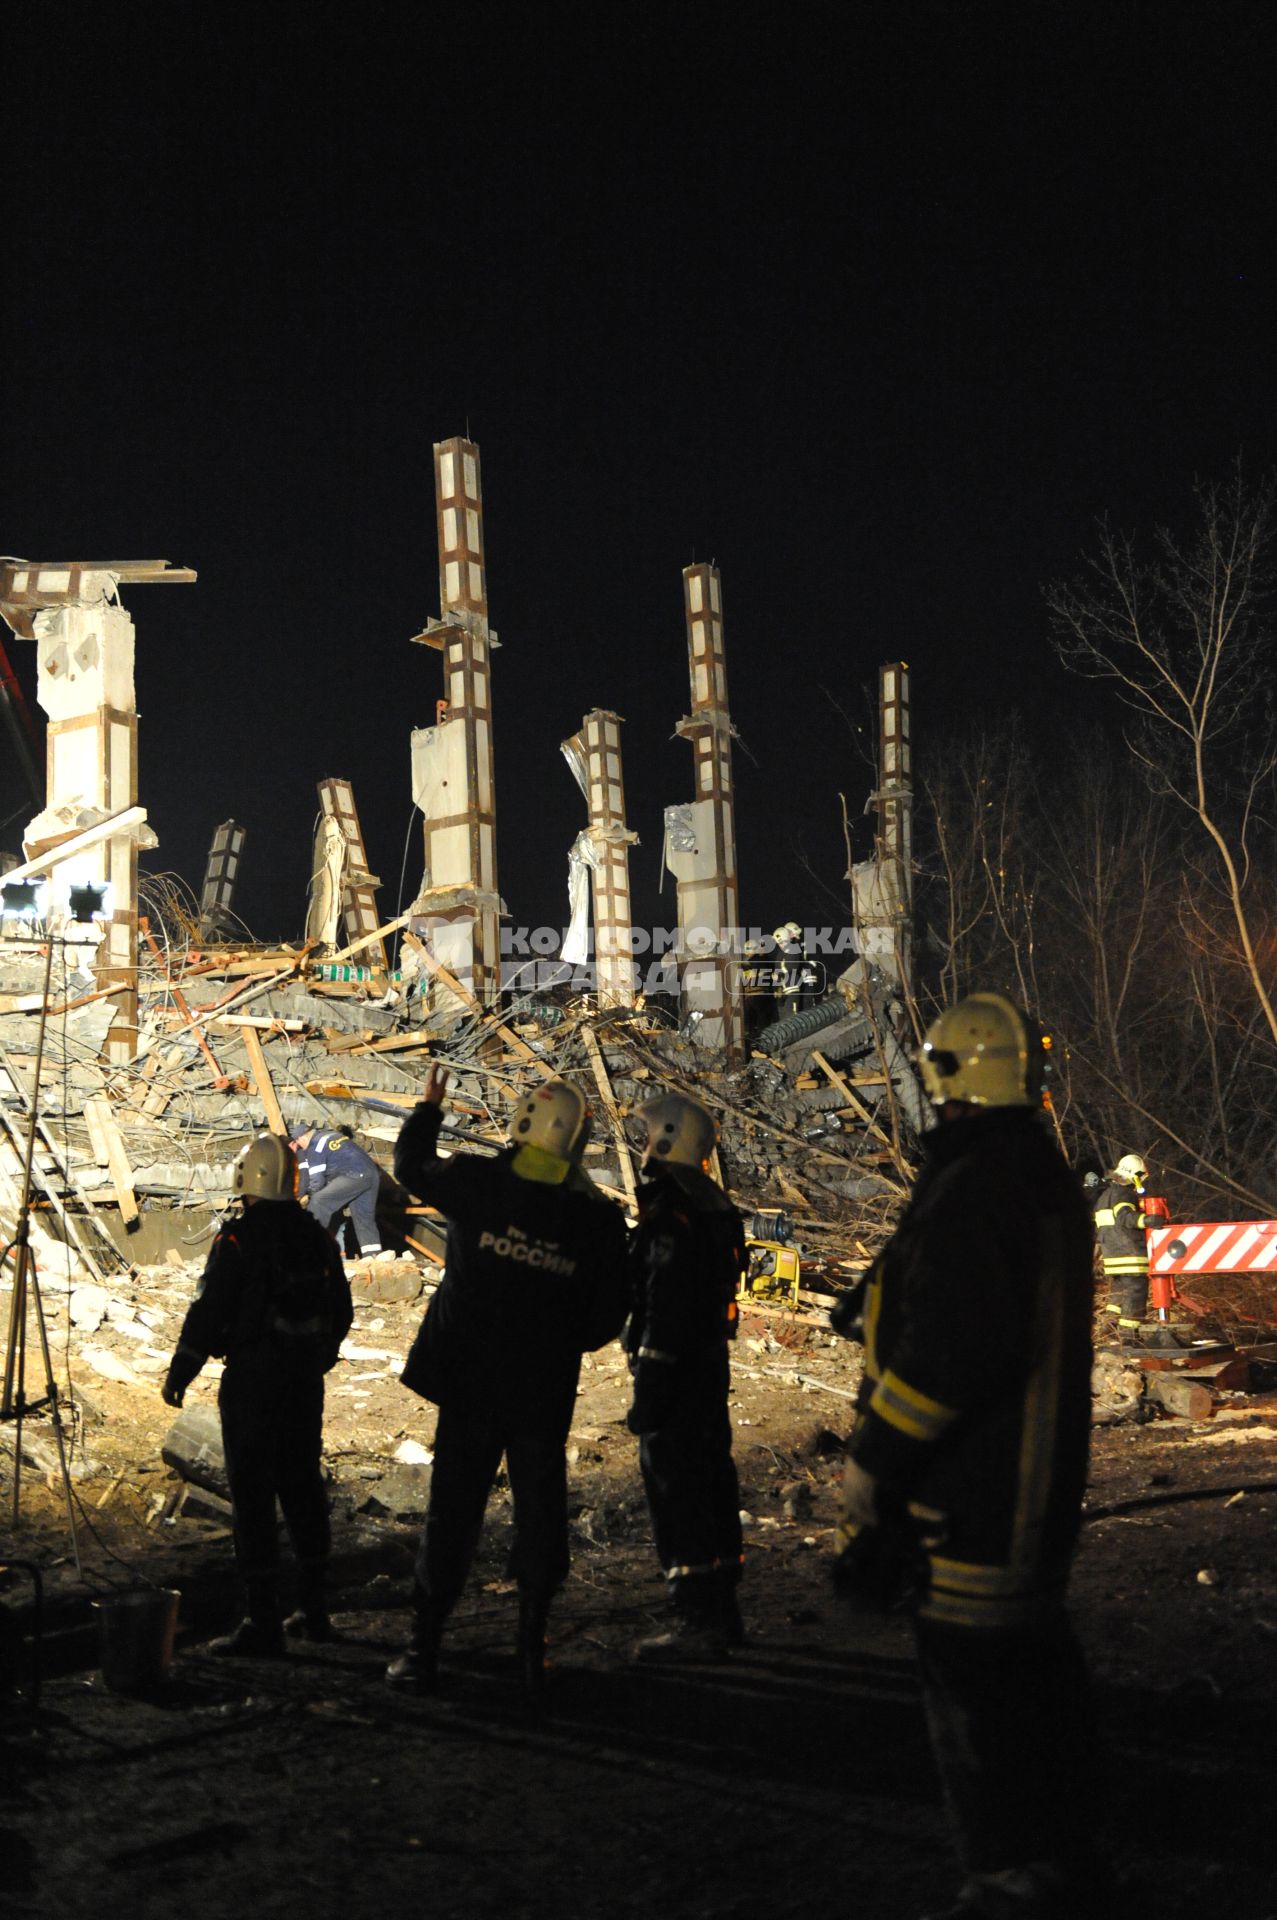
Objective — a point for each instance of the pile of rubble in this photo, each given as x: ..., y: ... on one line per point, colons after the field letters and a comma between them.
x: 131, y: 1161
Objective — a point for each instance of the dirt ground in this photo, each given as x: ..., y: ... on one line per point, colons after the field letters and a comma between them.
x: 793, y: 1780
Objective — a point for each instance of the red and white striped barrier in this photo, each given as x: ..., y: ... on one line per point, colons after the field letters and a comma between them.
x: 1214, y: 1246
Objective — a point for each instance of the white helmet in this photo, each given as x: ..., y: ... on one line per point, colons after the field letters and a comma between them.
x: 1131, y: 1168
x: 983, y: 1051
x: 265, y: 1169
x: 678, y: 1130
x: 554, y: 1118
x: 790, y: 935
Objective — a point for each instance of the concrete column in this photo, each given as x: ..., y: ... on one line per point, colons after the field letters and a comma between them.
x: 594, y: 755
x: 701, y: 839
x: 452, y: 761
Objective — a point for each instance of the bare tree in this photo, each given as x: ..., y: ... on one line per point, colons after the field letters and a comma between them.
x: 1184, y: 638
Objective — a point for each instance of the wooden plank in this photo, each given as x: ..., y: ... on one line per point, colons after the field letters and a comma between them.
x: 116, y: 1158
x: 862, y: 1112
x: 364, y: 940
x: 264, y: 1084
x: 598, y: 1067
x: 97, y: 1133
x: 367, y: 1096
x: 159, y: 1095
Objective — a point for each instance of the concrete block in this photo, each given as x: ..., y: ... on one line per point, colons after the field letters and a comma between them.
x: 193, y: 1447
x: 395, y: 1280
x: 401, y: 1495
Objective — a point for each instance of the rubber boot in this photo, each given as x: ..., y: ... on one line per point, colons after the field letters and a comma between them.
x: 534, y: 1613
x: 417, y: 1668
x: 310, y: 1620
x: 259, y: 1635
x: 698, y: 1634
x: 729, y: 1611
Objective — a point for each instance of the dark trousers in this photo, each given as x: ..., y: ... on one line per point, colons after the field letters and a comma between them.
x: 1128, y: 1292
x: 1011, y: 1727
x: 692, y: 1492
x: 468, y: 1451
x: 358, y: 1191
x: 272, y: 1408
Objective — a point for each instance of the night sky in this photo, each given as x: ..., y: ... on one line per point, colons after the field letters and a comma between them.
x: 878, y: 307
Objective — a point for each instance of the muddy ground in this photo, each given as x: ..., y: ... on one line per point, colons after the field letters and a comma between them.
x: 795, y: 1780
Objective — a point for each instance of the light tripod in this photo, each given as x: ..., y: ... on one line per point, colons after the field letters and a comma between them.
x: 26, y: 1300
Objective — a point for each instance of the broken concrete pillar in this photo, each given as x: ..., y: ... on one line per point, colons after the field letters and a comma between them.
x: 217, y: 895
x: 602, y: 853
x: 84, y: 642
x: 882, y: 888
x: 700, y: 839
x: 452, y: 778
x: 358, y: 885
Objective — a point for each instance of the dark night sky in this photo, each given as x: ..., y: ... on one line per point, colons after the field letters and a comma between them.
x: 876, y: 306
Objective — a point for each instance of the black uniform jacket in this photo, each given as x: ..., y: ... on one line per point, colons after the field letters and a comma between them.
x: 273, y: 1275
x: 976, y: 1404
x: 534, y: 1276
x: 1119, y: 1228
x: 686, y: 1265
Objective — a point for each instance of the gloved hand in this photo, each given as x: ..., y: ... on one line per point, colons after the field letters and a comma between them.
x: 879, y: 1568
x: 859, y: 1506
x: 183, y: 1368
x: 847, y: 1315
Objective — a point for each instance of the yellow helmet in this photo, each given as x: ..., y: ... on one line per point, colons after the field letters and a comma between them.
x: 265, y: 1169
x: 983, y: 1051
x: 678, y: 1129
x: 555, y: 1118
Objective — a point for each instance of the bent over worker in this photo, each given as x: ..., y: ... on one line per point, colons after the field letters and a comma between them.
x: 967, y: 1465
x: 1120, y: 1228
x: 335, y: 1174
x: 534, y: 1276
x: 274, y: 1299
x: 687, y: 1262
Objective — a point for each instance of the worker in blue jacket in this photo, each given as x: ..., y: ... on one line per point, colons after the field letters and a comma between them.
x: 334, y: 1175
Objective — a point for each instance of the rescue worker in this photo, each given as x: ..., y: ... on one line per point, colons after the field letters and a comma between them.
x: 967, y: 1465
x: 793, y: 972
x: 687, y: 1261
x: 334, y: 1174
x: 1120, y: 1229
x: 274, y: 1299
x: 534, y: 1276
x: 758, y: 987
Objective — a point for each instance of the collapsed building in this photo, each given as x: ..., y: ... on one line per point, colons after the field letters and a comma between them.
x: 143, y: 1040
x: 167, y: 1040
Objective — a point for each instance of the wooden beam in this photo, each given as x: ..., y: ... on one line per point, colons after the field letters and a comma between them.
x: 861, y: 1110
x: 261, y: 1077
x: 364, y: 940
x: 106, y: 1139
x: 598, y: 1067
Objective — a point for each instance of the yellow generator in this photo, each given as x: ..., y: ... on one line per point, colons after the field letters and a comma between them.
x: 774, y: 1267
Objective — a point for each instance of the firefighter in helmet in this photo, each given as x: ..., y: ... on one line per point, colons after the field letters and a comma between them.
x: 534, y: 1276
x: 967, y: 1465
x: 687, y: 1259
x: 274, y: 1299
x: 1120, y: 1228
